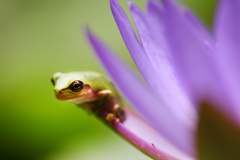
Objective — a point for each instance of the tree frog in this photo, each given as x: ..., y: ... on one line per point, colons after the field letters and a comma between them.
x: 90, y: 90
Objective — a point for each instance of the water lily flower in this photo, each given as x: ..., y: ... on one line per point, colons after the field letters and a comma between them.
x: 185, y: 67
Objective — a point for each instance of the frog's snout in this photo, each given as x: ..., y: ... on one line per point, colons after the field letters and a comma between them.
x: 57, y: 91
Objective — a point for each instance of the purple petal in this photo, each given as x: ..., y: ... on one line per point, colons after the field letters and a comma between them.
x: 183, y: 140
x: 143, y: 136
x: 170, y: 92
x: 139, y: 96
x: 194, y: 64
x: 227, y: 30
x: 155, y: 15
x: 197, y: 27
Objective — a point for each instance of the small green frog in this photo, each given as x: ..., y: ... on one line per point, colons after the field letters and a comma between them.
x: 91, y: 91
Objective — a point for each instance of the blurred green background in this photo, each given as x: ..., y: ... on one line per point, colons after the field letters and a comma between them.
x: 37, y: 39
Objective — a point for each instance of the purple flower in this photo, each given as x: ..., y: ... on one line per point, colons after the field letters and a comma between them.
x: 183, y: 66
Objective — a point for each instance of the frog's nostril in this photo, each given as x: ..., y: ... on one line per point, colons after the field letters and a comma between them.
x: 57, y: 91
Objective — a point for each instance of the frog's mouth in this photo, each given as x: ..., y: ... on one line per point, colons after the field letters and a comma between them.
x: 62, y: 97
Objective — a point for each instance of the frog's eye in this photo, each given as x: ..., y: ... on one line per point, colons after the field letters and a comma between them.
x: 53, y: 81
x: 76, y: 86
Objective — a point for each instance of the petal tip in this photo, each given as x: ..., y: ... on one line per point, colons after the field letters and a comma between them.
x: 133, y: 7
x: 87, y: 32
x: 113, y: 2
x: 130, y: 3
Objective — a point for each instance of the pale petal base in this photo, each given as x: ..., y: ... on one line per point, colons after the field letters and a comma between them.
x: 144, y: 137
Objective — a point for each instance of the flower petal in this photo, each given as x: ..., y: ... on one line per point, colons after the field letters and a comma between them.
x: 227, y: 30
x: 194, y: 64
x: 143, y: 136
x: 171, y: 92
x: 197, y: 27
x: 149, y: 73
x: 155, y: 14
x: 139, y: 96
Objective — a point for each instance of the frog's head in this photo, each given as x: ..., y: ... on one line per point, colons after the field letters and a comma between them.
x: 70, y: 87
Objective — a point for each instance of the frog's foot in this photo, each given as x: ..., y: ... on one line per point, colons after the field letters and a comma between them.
x: 118, y: 112
x: 111, y: 117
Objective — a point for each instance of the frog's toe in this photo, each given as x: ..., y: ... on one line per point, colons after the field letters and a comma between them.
x: 117, y: 120
x: 110, y: 117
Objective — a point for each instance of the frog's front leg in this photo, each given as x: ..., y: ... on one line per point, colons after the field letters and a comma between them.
x: 105, y: 96
x: 107, y: 103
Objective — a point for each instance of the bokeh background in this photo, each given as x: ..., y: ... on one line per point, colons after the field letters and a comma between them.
x: 39, y: 38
